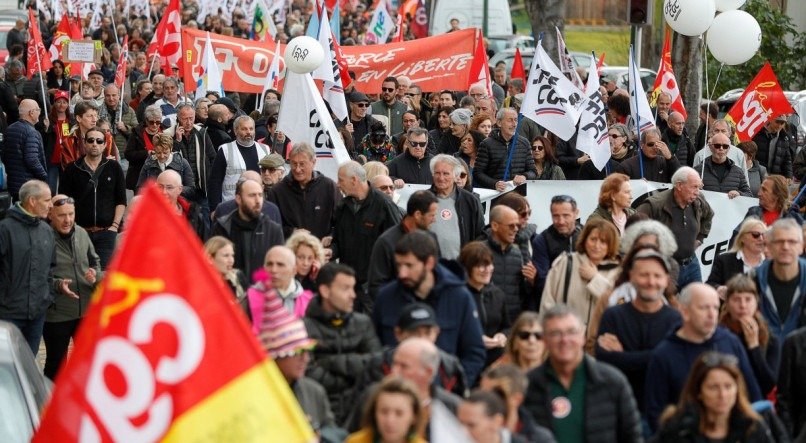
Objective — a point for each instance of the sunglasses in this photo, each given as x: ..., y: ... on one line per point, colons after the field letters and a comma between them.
x: 362, y: 105
x: 418, y: 144
x: 756, y: 234
x: 525, y: 214
x: 524, y: 335
x: 98, y: 141
x: 411, y: 94
x: 615, y: 135
x: 463, y: 175
x: 537, y: 148
x: 153, y: 122
x: 651, y: 144
x: 387, y: 89
x: 64, y: 201
x: 722, y: 146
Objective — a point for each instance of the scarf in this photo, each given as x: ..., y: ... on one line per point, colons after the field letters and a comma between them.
x: 148, y: 142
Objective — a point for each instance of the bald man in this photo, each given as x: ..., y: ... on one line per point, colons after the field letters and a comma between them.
x: 170, y: 184
x: 24, y: 152
x: 512, y: 275
x: 281, y: 265
x: 677, y: 139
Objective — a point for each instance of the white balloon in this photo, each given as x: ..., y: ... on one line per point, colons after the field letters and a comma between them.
x: 728, y: 5
x: 689, y: 17
x: 734, y: 37
x: 303, y: 54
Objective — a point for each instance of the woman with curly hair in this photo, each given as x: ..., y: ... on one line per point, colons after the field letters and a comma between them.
x: 310, y: 257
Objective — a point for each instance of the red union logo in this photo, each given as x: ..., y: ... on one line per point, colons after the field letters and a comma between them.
x: 753, y: 114
x: 249, y: 63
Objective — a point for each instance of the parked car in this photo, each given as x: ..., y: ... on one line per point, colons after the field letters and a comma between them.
x: 621, y: 74
x: 498, y: 43
x: 23, y: 389
x: 508, y: 57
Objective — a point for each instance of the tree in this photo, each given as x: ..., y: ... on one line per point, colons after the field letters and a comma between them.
x: 687, y: 63
x: 544, y: 15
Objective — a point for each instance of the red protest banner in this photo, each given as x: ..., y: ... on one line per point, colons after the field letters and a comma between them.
x: 762, y: 100
x: 163, y: 353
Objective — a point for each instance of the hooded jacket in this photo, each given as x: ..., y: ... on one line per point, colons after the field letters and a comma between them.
x: 671, y: 361
x: 27, y: 258
x: 344, y: 344
x: 311, y: 208
x: 460, y: 330
x: 781, y: 327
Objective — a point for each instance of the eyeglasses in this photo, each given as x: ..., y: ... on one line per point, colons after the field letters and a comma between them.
x: 537, y: 148
x: 722, y: 146
x: 362, y: 105
x: 418, y: 144
x: 387, y: 89
x: 756, y: 234
x: 463, y: 175
x: 64, y: 201
x: 153, y: 122
x: 563, y: 199
x: 615, y: 135
x: 412, y: 94
x: 524, y: 335
x: 98, y: 141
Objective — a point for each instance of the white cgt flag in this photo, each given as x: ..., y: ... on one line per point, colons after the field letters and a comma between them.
x: 380, y: 26
x: 328, y: 71
x: 640, y: 112
x: 551, y: 100
x: 592, y: 138
x: 304, y: 118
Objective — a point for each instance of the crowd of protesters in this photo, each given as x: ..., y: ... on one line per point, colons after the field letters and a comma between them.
x: 584, y: 330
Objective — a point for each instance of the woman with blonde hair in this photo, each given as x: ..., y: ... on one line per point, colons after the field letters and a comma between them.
x: 740, y: 315
x: 375, y: 168
x: 525, y: 347
x: 746, y: 254
x: 393, y: 414
x: 310, y: 257
x: 221, y: 253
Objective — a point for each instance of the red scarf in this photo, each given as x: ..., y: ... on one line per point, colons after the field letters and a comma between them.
x: 149, y: 143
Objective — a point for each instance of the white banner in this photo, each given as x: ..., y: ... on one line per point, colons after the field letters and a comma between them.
x: 592, y: 138
x: 551, y: 100
x: 380, y: 26
x: 640, y: 111
x: 304, y: 117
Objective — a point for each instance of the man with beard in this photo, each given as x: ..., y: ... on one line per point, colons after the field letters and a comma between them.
x: 389, y: 106
x: 630, y: 331
x: 421, y: 278
x: 251, y: 231
x: 233, y: 159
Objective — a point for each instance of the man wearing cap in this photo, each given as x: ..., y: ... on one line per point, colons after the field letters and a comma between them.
x: 345, y: 339
x: 417, y: 320
x: 389, y: 106
x: 608, y: 82
x: 421, y: 278
x: 272, y: 170
x: 121, y: 123
x: 286, y: 340
x: 628, y: 332
x: 359, y: 122
x: 775, y: 147
x: 494, y: 166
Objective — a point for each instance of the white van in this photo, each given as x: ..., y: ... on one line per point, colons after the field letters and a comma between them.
x: 471, y: 15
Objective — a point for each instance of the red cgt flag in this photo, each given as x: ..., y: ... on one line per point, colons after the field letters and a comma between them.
x: 517, y: 67
x: 666, y: 80
x: 163, y: 353
x: 123, y: 62
x: 419, y: 23
x: 479, y: 69
x: 38, y: 56
x: 762, y: 100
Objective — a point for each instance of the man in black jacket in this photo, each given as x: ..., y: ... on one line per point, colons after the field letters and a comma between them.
x: 218, y: 118
x: 512, y: 275
x: 196, y: 147
x: 558, y: 238
x: 577, y: 397
x: 494, y: 164
x: 359, y: 220
x: 345, y: 339
x: 251, y: 231
x: 792, y: 386
x: 654, y: 162
x: 359, y: 122
x: 677, y: 139
x: 775, y: 147
x: 412, y: 167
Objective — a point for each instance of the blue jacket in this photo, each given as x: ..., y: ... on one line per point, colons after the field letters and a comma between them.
x: 797, y: 315
x: 23, y: 156
x: 460, y: 329
x: 671, y: 361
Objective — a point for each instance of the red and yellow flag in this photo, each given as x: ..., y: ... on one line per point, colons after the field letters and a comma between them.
x: 666, y: 80
x: 163, y: 354
x: 762, y: 100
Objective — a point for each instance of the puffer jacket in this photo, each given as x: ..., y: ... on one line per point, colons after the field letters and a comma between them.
x: 684, y: 427
x: 151, y: 169
x: 775, y: 151
x: 74, y: 255
x: 491, y: 161
x: 411, y: 170
x: 311, y: 208
x: 733, y: 181
x: 23, y: 156
x: 27, y: 258
x: 345, y: 343
x: 611, y: 414
x: 508, y: 275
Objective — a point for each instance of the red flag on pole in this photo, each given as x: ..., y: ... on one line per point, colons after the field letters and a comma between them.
x: 762, y: 100
x: 163, y: 353
x: 517, y: 66
x: 600, y: 63
x: 344, y: 71
x: 38, y: 56
x: 479, y: 69
x: 61, y: 36
x: 123, y: 62
x: 419, y: 23
x: 169, y: 37
x: 666, y: 80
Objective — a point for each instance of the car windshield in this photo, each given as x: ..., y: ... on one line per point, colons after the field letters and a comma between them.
x: 15, y: 419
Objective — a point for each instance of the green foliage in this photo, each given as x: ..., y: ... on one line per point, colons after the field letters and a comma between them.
x: 781, y: 44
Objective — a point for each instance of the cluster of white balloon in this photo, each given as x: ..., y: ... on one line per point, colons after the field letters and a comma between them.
x: 733, y: 36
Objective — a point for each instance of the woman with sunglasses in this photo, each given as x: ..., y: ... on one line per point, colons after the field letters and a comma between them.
x: 546, y: 160
x: 141, y: 143
x: 621, y: 148
x: 615, y: 197
x: 740, y: 315
x: 525, y: 347
x: 713, y: 406
x: 721, y: 174
x: 477, y: 259
x: 746, y: 254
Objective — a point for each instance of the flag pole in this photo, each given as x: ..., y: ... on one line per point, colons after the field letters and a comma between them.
x: 513, y: 142
x: 41, y: 80
x: 637, y: 112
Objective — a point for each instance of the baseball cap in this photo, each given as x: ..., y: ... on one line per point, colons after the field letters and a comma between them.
x: 272, y: 160
x: 95, y: 72
x: 415, y: 315
x: 61, y: 94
